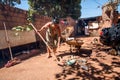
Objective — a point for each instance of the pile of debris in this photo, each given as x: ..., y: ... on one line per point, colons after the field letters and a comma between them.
x: 73, y: 61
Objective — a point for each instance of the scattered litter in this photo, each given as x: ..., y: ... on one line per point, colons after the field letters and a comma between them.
x: 84, y: 67
x: 95, y: 41
x: 82, y: 61
x: 73, y: 61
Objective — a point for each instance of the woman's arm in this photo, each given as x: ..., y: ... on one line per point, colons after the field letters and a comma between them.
x: 45, y: 26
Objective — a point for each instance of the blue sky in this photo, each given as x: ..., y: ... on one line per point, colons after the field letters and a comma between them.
x: 24, y: 5
x: 90, y: 8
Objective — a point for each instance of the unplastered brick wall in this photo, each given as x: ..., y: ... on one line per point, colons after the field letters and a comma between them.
x: 12, y: 16
x: 15, y: 17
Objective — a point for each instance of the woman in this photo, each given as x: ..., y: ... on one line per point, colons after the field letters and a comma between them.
x: 53, y: 35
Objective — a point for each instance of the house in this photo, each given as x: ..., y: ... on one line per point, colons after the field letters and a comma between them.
x: 91, y: 24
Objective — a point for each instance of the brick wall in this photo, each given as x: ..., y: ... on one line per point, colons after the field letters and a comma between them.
x: 11, y: 16
x: 14, y: 17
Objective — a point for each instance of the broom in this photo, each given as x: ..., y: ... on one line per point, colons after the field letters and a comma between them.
x: 7, y: 40
x: 13, y: 61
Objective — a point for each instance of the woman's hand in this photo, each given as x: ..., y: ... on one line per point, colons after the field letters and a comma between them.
x: 38, y: 30
x: 41, y: 29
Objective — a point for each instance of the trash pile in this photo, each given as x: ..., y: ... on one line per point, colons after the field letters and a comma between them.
x: 72, y: 65
x: 74, y: 61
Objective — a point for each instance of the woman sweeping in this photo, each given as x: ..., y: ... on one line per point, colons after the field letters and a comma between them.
x: 53, y: 35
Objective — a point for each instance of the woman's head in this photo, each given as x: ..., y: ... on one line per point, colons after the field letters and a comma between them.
x: 55, y: 20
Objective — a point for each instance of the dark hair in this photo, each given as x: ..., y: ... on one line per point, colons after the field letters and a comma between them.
x: 55, y: 20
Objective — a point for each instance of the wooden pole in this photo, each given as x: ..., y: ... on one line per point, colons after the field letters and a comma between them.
x: 8, y: 42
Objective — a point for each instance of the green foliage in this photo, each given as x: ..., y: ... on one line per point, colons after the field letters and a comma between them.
x: 10, y: 2
x: 57, y: 8
x: 22, y: 28
x: 18, y: 29
x: 30, y: 15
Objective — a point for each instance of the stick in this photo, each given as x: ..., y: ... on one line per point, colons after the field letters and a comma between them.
x: 7, y: 40
x: 41, y: 37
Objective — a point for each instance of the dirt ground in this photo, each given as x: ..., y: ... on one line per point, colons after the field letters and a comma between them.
x: 99, y: 65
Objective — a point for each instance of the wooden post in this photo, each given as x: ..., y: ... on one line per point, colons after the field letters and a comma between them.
x: 8, y: 42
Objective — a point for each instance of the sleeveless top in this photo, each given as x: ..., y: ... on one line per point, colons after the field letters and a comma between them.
x: 53, y: 30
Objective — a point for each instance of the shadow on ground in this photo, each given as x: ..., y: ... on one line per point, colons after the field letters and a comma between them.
x: 98, y: 67
x: 81, y: 53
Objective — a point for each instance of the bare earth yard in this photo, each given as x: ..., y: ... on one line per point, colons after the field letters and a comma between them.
x: 100, y: 64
